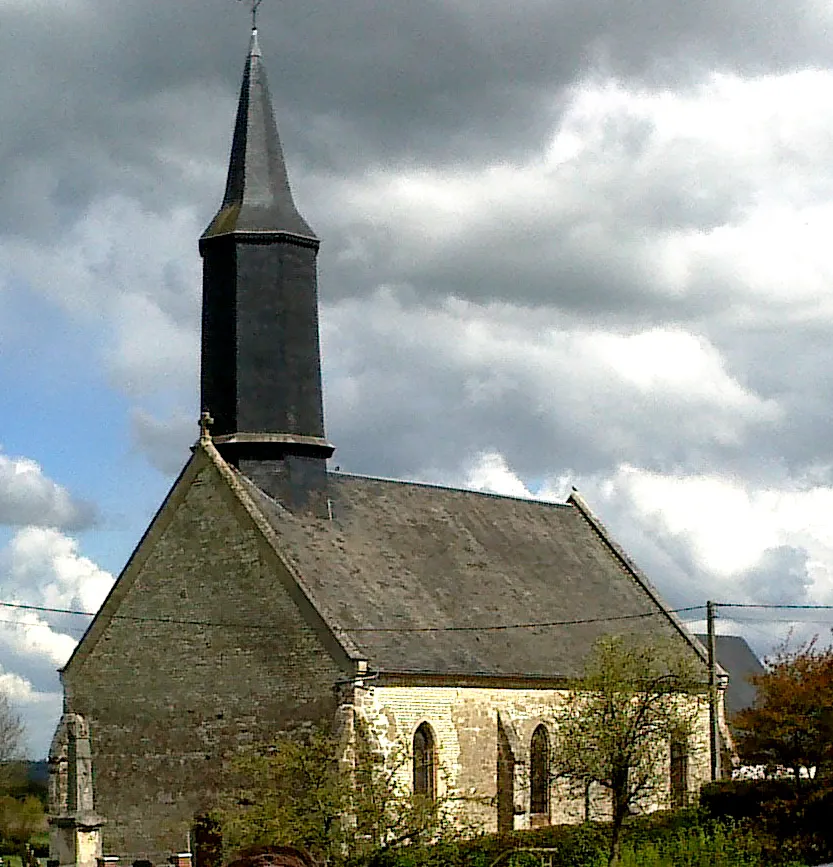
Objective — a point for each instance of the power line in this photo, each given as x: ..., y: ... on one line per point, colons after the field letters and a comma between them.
x: 21, y: 605
x: 772, y: 605
x: 45, y: 609
x: 495, y: 627
x: 779, y: 620
x: 499, y: 627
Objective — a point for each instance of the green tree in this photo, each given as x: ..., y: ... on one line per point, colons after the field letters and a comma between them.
x: 302, y: 790
x: 22, y: 813
x: 791, y: 723
x: 289, y: 792
x: 617, y: 726
x: 21, y: 819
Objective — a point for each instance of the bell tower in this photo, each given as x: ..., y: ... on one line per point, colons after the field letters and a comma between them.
x: 261, y: 363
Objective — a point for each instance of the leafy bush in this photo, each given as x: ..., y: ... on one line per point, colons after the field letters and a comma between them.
x: 20, y: 820
x: 792, y: 821
x: 712, y: 845
x: 747, y: 799
x: 686, y: 838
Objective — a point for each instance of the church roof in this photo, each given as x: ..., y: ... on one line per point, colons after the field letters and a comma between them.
x: 419, y: 578
x: 258, y: 198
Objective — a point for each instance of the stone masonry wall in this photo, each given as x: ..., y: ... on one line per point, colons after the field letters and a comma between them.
x: 168, y: 702
x: 465, y: 724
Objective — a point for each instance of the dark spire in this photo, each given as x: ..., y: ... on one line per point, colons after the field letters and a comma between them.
x: 258, y: 197
x: 261, y: 366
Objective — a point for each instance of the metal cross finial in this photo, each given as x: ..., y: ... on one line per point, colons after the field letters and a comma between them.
x: 205, y: 423
x: 255, y: 4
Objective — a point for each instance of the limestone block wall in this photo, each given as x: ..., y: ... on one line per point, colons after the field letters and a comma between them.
x: 464, y: 721
x: 168, y: 702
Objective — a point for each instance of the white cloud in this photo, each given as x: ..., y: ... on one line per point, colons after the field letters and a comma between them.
x: 32, y: 638
x: 123, y: 272
x: 151, y: 352
x: 41, y: 566
x: 714, y: 197
x: 27, y: 496
x: 733, y: 528
x: 490, y: 472
x: 38, y: 709
x: 44, y: 566
x: 672, y: 362
x: 18, y: 689
x: 123, y: 268
x: 493, y: 372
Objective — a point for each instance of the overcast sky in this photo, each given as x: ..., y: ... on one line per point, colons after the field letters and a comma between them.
x: 581, y: 242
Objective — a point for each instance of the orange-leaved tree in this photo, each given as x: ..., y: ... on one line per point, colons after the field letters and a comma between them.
x: 791, y: 723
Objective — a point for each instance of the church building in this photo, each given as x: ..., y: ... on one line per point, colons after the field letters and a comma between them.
x: 269, y: 590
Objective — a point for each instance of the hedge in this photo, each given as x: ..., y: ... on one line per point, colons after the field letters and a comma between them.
x: 583, y: 845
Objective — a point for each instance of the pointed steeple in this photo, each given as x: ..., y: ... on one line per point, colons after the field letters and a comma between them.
x: 258, y: 197
x: 261, y: 365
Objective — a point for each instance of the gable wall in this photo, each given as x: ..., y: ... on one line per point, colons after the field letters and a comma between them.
x: 465, y: 725
x: 166, y: 702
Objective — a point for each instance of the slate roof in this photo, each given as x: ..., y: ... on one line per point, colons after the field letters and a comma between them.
x: 740, y: 662
x: 257, y: 198
x: 403, y: 556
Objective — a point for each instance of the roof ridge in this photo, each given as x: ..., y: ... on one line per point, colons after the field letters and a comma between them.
x: 453, y: 488
x: 112, y: 601
x: 639, y: 576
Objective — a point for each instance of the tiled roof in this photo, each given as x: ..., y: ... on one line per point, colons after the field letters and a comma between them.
x: 456, y: 564
x: 740, y: 662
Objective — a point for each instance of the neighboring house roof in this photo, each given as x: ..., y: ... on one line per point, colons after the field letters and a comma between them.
x: 404, y: 556
x: 740, y: 661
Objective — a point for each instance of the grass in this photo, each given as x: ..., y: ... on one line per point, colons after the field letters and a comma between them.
x: 715, y: 846
x: 718, y: 846
x: 17, y: 861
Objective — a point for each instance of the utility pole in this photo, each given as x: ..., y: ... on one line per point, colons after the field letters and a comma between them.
x: 714, y: 719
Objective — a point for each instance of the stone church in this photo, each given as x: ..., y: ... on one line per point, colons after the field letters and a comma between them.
x: 268, y: 589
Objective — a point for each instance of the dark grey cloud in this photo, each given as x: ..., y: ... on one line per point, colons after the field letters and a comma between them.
x: 138, y: 102
x: 780, y: 577
x: 100, y: 96
x: 791, y: 363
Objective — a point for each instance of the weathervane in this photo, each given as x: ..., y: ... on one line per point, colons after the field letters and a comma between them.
x: 255, y: 4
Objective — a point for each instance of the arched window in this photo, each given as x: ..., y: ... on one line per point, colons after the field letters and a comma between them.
x: 425, y: 763
x: 539, y: 772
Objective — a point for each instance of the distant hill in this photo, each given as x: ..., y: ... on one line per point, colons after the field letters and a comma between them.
x: 20, y: 779
x: 38, y: 772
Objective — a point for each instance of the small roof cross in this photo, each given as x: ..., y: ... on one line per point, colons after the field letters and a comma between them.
x: 255, y: 4
x: 205, y: 423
